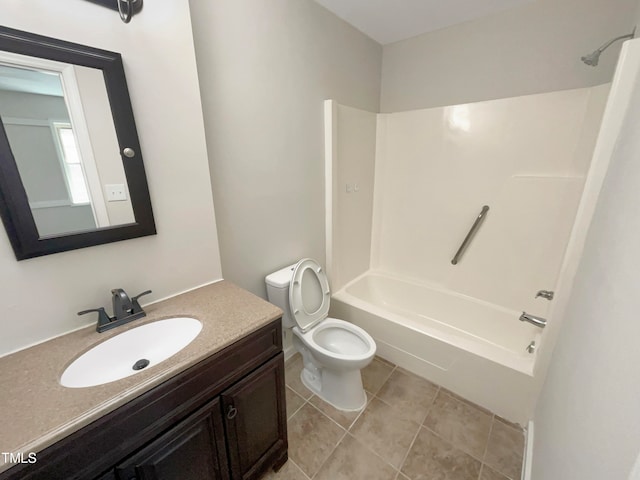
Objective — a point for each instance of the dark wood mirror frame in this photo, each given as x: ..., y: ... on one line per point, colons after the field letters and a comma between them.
x: 14, y: 205
x: 113, y: 4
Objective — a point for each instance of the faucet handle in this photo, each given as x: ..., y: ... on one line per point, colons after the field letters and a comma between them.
x: 103, y: 318
x: 136, y: 306
x: 545, y: 294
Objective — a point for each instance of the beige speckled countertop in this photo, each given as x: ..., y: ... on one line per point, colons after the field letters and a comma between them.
x: 36, y: 411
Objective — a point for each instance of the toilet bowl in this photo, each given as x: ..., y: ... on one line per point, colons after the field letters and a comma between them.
x: 333, y: 351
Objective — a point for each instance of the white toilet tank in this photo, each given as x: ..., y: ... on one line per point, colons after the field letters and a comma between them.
x: 278, y: 292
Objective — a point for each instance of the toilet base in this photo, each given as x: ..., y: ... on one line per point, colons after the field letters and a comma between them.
x: 340, y: 389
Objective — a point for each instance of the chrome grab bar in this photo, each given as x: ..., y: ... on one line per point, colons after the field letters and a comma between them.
x: 470, y: 235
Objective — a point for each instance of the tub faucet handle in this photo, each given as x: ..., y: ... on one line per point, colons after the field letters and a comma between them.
x: 545, y: 294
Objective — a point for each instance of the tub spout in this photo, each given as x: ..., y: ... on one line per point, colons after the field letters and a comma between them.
x: 537, y: 321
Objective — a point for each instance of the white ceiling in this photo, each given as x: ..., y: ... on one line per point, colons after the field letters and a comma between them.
x: 387, y: 21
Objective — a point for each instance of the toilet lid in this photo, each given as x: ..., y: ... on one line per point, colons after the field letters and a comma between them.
x: 309, y: 294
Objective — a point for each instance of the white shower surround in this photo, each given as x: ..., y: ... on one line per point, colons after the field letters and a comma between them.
x: 527, y: 157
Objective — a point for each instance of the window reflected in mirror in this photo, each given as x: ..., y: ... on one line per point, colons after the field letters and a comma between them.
x: 58, y: 122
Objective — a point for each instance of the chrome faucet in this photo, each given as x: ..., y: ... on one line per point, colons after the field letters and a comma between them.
x: 125, y: 310
x: 537, y: 321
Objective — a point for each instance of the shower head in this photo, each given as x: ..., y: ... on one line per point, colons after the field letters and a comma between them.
x: 592, y: 58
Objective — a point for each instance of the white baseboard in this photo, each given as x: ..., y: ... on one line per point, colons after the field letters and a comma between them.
x: 528, y: 453
x: 289, y: 352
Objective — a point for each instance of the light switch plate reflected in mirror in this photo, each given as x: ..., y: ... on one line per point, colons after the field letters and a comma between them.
x: 116, y: 193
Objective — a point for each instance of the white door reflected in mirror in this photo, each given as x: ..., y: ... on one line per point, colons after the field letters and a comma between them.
x: 60, y: 129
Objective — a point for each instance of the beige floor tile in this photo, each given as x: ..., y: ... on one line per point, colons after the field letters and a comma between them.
x: 489, y: 473
x: 292, y: 371
x: 409, y: 393
x: 351, y: 460
x: 375, y: 374
x: 294, y: 402
x: 385, y: 430
x: 505, y: 449
x: 296, y: 357
x: 312, y: 438
x: 460, y: 423
x: 432, y: 458
x: 345, y: 419
x: 289, y: 471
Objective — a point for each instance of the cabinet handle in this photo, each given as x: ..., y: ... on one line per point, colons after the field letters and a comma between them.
x: 233, y: 411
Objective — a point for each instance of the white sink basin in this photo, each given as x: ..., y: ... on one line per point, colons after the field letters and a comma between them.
x: 146, y: 345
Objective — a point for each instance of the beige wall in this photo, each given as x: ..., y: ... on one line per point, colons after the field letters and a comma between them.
x: 40, y: 297
x: 587, y: 422
x: 533, y: 48
x: 265, y: 70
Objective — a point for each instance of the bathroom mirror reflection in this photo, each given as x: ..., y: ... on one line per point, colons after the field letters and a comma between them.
x: 71, y: 170
x: 58, y: 123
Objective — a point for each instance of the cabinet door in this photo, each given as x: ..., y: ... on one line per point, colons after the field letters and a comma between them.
x: 255, y: 420
x: 192, y: 450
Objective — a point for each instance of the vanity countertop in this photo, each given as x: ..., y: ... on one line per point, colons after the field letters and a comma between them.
x: 36, y: 411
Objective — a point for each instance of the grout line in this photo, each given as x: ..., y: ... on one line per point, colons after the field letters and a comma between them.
x: 374, y: 452
x: 386, y: 379
x: 481, y: 469
x: 361, y: 411
x: 350, y: 434
x: 486, y: 447
x: 331, y: 452
x: 299, y: 468
x: 304, y: 400
x: 325, y: 415
x: 433, y: 401
x: 297, y: 410
x: 481, y: 457
x: 406, y: 455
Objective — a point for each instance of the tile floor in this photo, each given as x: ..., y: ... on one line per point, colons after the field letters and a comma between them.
x: 410, y: 429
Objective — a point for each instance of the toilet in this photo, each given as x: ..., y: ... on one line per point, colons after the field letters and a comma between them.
x: 333, y: 351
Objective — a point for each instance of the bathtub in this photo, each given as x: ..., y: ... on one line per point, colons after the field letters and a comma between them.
x: 471, y: 347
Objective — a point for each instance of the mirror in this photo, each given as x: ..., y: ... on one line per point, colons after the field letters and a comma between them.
x: 71, y: 171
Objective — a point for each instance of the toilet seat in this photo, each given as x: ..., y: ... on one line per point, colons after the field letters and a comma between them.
x: 309, y: 285
x: 349, y: 342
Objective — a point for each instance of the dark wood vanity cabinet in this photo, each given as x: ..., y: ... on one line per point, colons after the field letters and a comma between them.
x: 192, y: 450
x: 254, y: 434
x: 224, y: 418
